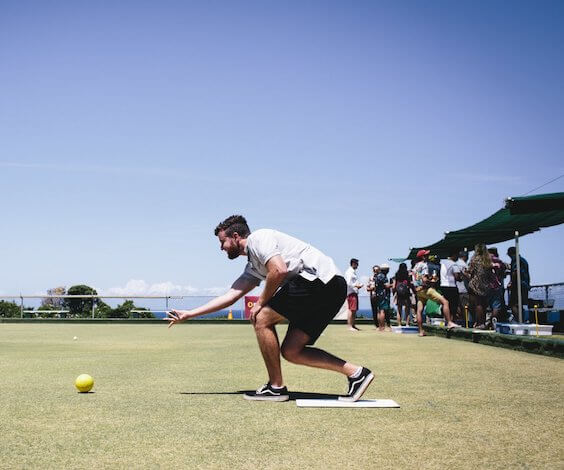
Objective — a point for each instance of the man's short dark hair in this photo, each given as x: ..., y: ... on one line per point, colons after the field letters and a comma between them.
x: 493, y: 251
x: 354, y: 260
x: 234, y: 223
x: 511, y: 251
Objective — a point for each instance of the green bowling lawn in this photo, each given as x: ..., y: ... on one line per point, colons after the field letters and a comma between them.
x: 170, y: 398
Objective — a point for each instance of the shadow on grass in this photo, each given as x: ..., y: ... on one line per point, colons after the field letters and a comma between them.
x: 293, y: 395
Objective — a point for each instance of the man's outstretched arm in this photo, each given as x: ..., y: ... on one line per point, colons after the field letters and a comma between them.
x: 240, y: 287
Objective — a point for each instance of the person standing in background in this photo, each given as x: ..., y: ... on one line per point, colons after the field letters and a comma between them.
x: 462, y: 286
x: 497, y: 295
x: 525, y: 281
x: 480, y: 271
x: 434, y: 267
x: 402, y: 288
x: 382, y: 288
x: 353, y: 285
x: 450, y: 274
x: 371, y: 288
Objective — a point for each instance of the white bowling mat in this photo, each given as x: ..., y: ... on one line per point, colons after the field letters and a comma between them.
x: 347, y: 404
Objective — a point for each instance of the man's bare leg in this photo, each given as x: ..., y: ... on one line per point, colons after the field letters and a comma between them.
x: 351, y: 318
x: 296, y: 350
x: 381, y: 320
x: 420, y: 317
x: 268, y: 343
x: 446, y: 314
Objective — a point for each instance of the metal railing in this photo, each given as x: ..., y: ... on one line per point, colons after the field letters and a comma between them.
x: 551, y: 295
x: 182, y: 301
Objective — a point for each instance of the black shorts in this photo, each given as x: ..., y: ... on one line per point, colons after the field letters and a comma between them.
x: 310, y: 305
x: 451, y: 294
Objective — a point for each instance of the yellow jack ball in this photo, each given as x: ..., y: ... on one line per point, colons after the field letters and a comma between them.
x: 84, y: 383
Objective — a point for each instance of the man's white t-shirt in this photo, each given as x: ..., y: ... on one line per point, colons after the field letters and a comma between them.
x: 460, y: 284
x: 301, y: 258
x: 448, y: 269
x: 352, y: 280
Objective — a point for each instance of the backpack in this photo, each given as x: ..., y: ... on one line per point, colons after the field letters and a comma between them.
x: 402, y: 290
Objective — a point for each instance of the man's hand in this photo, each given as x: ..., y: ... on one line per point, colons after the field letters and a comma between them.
x: 177, y: 316
x: 257, y: 307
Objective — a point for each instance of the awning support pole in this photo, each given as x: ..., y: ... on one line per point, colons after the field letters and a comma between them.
x: 518, y: 286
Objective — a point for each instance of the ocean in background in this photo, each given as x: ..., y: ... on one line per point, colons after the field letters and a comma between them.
x: 240, y: 314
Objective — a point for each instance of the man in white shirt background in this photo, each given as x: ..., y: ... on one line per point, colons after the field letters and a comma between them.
x: 450, y: 275
x: 302, y: 285
x: 353, y: 285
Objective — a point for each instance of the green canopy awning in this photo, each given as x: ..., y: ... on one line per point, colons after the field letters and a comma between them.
x: 522, y: 214
x: 535, y: 204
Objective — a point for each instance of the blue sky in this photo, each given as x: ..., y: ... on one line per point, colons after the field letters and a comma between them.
x: 128, y: 130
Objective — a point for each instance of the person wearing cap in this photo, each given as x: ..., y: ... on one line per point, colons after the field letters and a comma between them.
x: 423, y: 282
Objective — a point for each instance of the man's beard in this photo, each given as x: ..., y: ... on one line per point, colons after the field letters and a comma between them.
x: 233, y: 252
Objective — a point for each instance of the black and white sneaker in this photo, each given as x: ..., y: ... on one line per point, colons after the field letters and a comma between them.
x: 268, y: 393
x: 358, y: 385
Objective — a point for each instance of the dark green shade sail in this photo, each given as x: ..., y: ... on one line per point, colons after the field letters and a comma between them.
x: 522, y: 214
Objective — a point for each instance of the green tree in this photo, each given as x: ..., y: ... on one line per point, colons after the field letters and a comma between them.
x: 9, y: 309
x: 80, y: 307
x: 125, y: 311
x: 102, y: 310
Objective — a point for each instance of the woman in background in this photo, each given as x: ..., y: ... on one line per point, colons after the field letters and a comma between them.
x: 482, y: 277
x: 403, y: 288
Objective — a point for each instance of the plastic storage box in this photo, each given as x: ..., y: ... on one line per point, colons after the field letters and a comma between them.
x: 405, y: 329
x: 523, y: 329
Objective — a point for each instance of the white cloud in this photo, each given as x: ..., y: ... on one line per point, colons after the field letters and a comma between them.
x: 141, y: 287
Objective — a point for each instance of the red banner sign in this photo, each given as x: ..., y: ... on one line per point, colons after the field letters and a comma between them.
x: 250, y: 301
